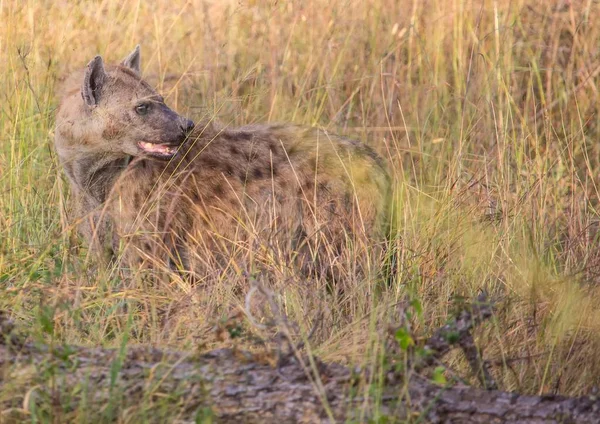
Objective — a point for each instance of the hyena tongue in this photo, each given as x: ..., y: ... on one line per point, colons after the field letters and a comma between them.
x: 157, y: 148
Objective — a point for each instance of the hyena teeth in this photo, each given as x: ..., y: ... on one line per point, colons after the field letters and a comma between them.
x: 157, y: 148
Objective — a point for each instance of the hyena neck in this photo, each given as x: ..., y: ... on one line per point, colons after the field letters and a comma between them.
x: 95, y: 175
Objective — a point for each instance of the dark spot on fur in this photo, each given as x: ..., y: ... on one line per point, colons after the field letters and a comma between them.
x: 331, y: 207
x: 257, y: 173
x: 234, y: 150
x: 229, y: 169
x: 367, y: 151
x: 249, y: 155
x: 244, y: 135
x: 292, y: 149
x: 347, y: 201
x: 195, y: 197
x: 86, y: 140
x: 210, y: 162
x: 237, y: 135
x: 324, y: 187
x: 273, y: 147
x: 66, y: 130
x: 218, y: 189
x: 111, y: 131
x: 126, y: 119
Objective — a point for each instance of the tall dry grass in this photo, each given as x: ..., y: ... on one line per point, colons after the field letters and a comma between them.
x: 485, y: 110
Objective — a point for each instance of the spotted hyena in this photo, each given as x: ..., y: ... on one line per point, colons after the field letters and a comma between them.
x: 150, y: 184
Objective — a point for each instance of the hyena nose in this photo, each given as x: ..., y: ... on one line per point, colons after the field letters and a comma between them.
x: 186, y: 125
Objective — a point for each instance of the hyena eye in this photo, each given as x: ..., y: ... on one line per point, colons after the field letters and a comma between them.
x: 142, y: 108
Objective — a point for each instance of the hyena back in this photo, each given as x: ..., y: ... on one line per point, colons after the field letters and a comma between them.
x: 148, y: 184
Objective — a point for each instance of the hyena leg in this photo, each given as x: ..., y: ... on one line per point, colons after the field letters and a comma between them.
x: 97, y: 230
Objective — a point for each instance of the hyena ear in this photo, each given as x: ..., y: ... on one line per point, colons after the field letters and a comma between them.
x: 133, y: 61
x: 93, y: 80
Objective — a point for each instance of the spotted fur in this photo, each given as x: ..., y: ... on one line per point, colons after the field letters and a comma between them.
x: 301, y: 192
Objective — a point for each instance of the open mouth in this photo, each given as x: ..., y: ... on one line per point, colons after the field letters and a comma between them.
x: 163, y: 151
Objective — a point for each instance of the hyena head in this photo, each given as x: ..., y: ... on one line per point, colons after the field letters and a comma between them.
x: 112, y: 112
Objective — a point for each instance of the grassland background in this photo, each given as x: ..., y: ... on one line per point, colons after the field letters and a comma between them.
x: 486, y: 111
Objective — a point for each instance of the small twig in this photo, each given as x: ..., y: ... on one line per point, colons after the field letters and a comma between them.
x: 23, y: 56
x: 506, y: 361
